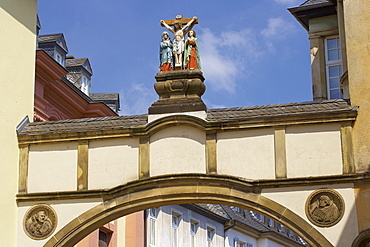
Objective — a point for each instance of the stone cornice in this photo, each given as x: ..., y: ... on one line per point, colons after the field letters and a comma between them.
x: 253, y: 186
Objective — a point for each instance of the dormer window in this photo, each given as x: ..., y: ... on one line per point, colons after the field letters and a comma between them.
x: 59, y: 58
x: 85, y: 85
x: 333, y: 67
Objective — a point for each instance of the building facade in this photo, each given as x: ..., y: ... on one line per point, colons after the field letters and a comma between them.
x: 313, y: 169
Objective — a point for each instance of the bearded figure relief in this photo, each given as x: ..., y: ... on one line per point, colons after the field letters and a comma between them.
x: 40, y: 221
x: 325, y: 207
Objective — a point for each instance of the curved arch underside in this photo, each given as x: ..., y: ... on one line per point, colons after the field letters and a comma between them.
x: 182, y: 189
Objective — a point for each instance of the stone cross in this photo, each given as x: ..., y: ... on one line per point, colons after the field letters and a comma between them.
x: 179, y: 18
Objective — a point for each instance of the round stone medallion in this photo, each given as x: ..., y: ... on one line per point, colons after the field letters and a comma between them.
x: 40, y: 221
x: 325, y: 207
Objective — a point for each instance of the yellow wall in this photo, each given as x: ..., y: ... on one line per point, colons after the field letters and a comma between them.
x: 357, y: 26
x: 17, y: 66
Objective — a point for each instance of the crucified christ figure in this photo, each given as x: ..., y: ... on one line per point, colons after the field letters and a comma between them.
x: 179, y: 31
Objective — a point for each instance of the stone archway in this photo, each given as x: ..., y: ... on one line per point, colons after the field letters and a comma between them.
x: 178, y: 189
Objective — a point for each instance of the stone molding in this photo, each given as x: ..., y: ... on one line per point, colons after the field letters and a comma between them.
x: 179, y: 91
x: 256, y: 184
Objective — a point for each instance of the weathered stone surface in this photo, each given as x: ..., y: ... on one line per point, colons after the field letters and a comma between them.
x: 179, y: 91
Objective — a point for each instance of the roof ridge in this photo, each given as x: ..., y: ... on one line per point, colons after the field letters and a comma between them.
x: 76, y: 120
x: 279, y: 105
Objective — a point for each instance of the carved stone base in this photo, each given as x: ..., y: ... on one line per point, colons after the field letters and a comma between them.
x: 179, y: 91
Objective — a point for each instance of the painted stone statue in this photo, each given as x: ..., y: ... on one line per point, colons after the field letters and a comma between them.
x: 179, y: 32
x: 191, y: 53
x: 166, y: 55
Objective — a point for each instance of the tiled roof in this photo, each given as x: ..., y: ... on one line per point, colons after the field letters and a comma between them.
x: 84, y: 124
x: 278, y: 110
x: 104, y: 96
x: 246, y: 218
x: 311, y: 2
x: 70, y: 62
x: 223, y: 115
x: 48, y: 37
x: 214, y: 208
x: 227, y: 213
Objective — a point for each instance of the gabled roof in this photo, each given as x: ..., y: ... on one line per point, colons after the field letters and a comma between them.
x: 311, y: 2
x: 104, y: 96
x: 57, y: 38
x: 77, y: 62
x: 313, y: 9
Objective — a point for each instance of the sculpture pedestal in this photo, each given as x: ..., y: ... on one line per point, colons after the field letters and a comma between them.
x: 179, y: 91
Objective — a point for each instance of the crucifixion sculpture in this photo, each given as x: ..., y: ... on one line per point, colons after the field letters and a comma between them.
x: 181, y: 26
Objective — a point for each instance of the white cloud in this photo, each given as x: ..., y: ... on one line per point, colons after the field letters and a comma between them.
x: 224, y: 56
x: 277, y: 28
x: 137, y: 99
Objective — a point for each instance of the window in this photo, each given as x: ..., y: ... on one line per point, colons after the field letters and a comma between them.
x: 175, y: 230
x: 333, y: 67
x: 235, y: 209
x: 152, y: 226
x: 280, y: 227
x: 210, y: 234
x: 103, y: 239
x: 258, y: 217
x: 59, y: 58
x: 249, y: 245
x: 289, y: 233
x: 193, y: 232
x: 270, y: 223
x: 238, y: 243
x: 85, y: 85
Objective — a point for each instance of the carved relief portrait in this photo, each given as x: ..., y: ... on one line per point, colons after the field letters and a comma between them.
x: 40, y: 221
x: 325, y: 207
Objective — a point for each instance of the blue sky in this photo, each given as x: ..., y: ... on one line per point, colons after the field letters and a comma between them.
x: 253, y: 52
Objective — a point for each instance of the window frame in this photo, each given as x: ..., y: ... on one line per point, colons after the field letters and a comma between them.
x: 175, y: 229
x: 193, y: 234
x: 153, y: 222
x: 333, y: 63
x: 210, y: 240
x: 108, y: 236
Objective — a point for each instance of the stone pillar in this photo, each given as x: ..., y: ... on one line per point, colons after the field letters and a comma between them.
x: 317, y: 50
x: 179, y: 91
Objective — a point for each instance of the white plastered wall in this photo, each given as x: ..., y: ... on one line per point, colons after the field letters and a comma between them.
x: 52, y: 167
x: 179, y: 149
x: 66, y: 211
x: 248, y: 154
x: 113, y: 162
x: 340, y: 235
x: 313, y: 150
x: 231, y: 235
